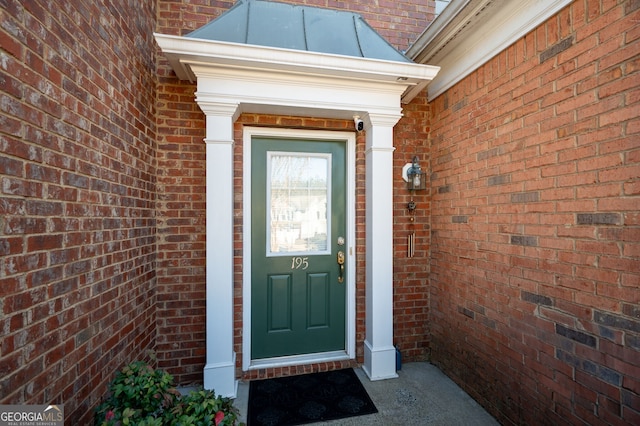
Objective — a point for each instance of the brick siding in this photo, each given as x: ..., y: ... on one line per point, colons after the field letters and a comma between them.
x: 536, y: 225
x: 524, y: 284
x: 410, y: 274
x: 77, y: 198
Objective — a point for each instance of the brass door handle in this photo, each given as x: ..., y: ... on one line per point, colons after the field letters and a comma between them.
x: 341, y: 264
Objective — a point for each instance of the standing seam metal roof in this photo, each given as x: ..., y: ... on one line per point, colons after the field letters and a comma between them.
x: 313, y: 29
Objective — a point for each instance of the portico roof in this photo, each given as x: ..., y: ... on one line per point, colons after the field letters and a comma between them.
x: 286, y: 26
x: 277, y: 38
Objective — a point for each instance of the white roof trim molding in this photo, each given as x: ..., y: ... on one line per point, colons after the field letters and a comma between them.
x: 470, y: 32
x: 186, y: 55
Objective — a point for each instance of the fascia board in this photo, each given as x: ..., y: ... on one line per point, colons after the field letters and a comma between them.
x: 472, y: 34
x: 182, y: 52
x: 448, y: 22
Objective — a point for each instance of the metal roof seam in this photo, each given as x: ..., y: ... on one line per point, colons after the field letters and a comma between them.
x: 355, y: 29
x: 304, y: 30
x: 246, y: 34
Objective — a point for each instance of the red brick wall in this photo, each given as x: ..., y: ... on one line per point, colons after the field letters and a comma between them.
x: 181, y: 186
x: 411, y: 274
x: 77, y: 198
x: 181, y: 207
x: 536, y: 225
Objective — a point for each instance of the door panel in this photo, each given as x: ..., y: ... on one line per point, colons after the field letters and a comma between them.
x: 318, y: 302
x: 279, y: 301
x: 298, y: 213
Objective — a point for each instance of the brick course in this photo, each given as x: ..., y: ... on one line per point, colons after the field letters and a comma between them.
x: 537, y: 319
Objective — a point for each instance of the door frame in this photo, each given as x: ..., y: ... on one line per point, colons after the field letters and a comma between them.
x: 349, y: 139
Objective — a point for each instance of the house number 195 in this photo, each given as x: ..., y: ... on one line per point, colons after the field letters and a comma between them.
x: 300, y: 263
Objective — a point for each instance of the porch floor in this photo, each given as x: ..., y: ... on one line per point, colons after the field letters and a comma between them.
x: 422, y: 395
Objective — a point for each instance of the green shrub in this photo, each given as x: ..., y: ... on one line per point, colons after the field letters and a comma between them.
x: 142, y: 396
x: 202, y: 408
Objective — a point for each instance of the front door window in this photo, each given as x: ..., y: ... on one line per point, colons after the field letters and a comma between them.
x: 298, y: 201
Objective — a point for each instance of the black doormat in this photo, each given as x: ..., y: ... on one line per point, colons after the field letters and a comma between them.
x: 309, y: 398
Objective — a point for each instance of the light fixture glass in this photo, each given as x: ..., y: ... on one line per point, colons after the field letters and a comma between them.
x: 415, y: 177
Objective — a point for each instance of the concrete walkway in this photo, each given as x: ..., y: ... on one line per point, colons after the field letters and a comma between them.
x: 422, y: 395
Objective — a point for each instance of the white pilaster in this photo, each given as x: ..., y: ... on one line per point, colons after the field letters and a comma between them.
x: 219, y: 371
x: 379, y: 352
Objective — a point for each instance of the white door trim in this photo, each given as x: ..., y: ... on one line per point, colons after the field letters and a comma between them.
x: 349, y: 353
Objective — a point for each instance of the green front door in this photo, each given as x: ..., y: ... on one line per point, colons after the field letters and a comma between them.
x: 298, y: 289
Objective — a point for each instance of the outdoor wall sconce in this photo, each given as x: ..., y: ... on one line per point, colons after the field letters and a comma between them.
x: 416, y: 180
x: 413, y: 175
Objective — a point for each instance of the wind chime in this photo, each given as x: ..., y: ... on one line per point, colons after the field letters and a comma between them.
x: 412, y: 174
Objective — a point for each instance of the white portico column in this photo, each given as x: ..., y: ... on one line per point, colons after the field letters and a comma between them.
x: 379, y: 352
x: 219, y: 371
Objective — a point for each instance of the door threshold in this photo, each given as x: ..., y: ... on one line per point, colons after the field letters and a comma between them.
x: 287, y: 361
